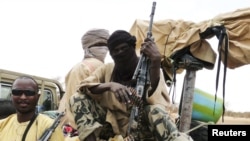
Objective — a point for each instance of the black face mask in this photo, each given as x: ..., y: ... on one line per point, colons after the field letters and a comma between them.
x: 122, y: 52
x: 124, y: 55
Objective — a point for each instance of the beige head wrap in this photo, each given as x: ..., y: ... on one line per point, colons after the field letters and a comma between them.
x: 94, y: 43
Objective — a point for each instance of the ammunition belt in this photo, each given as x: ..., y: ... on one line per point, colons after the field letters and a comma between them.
x: 138, y: 102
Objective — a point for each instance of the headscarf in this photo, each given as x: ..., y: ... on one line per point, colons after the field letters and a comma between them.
x: 92, y: 39
x: 120, y: 36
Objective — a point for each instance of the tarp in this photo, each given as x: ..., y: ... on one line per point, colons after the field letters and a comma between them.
x: 172, y: 36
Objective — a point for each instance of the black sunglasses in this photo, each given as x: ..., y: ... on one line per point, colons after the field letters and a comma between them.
x: 20, y: 92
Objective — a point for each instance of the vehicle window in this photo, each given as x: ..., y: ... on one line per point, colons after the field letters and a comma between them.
x: 47, y: 101
x: 7, y: 108
x: 5, y: 91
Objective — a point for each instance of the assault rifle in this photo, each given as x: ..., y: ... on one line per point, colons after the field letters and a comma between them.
x: 141, y: 75
x: 46, y: 135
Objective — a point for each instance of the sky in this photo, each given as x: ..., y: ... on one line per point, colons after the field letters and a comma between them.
x: 42, y: 37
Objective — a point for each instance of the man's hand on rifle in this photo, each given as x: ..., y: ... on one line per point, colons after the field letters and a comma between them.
x: 150, y: 49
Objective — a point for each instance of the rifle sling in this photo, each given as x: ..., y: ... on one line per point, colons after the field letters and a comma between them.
x: 29, y: 125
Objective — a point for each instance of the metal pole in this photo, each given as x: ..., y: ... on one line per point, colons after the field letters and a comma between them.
x: 187, y: 101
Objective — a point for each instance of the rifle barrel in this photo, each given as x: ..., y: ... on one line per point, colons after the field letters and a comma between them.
x: 149, y: 34
x: 141, y: 75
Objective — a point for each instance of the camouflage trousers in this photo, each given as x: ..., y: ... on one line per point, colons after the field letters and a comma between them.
x: 156, y: 124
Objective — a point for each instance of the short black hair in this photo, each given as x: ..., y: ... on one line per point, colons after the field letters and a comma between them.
x: 27, y: 77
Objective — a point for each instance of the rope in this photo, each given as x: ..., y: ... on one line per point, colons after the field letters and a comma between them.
x: 198, y: 126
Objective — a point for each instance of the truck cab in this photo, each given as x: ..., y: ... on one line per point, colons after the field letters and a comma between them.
x: 50, y: 90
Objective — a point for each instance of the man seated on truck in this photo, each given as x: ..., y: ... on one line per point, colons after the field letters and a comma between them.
x: 105, y: 100
x: 94, y: 44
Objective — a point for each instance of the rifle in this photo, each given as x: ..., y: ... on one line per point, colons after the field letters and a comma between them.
x: 142, y: 78
x: 48, y: 132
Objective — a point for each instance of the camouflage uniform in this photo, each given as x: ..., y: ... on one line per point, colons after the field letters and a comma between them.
x: 103, y: 115
x: 89, y: 114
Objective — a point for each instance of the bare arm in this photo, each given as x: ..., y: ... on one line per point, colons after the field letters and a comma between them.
x: 121, y: 92
x: 101, y: 88
x: 150, y: 49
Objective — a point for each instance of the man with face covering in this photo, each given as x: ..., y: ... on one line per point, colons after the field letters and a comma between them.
x: 106, y: 115
x: 94, y: 44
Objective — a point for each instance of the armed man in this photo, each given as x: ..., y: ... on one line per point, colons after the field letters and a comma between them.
x: 104, y: 100
x: 26, y: 124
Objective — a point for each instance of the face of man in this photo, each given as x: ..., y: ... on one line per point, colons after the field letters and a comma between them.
x: 98, y: 52
x: 24, y: 95
x: 122, y: 52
